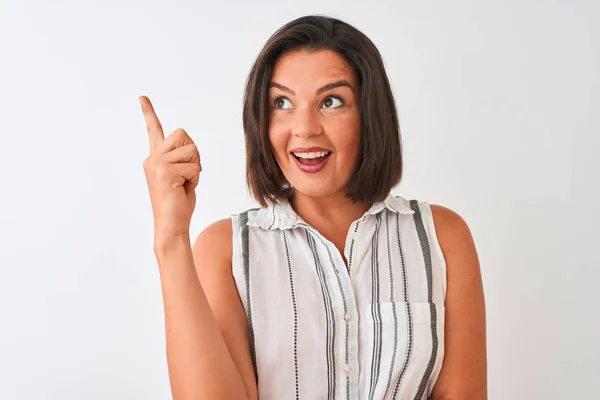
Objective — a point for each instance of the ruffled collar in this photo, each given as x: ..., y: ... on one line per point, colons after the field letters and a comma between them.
x: 282, y: 216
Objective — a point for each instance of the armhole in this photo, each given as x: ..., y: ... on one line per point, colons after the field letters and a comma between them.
x: 438, y: 264
x: 237, y: 267
x: 240, y: 264
x: 435, y: 248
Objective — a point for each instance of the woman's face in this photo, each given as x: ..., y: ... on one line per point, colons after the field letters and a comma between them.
x: 315, y: 123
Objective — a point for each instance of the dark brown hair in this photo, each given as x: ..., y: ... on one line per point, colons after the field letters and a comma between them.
x: 379, y: 167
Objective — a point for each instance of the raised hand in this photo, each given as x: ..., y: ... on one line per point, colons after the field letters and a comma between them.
x: 172, y: 170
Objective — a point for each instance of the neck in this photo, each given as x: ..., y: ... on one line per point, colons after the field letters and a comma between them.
x: 328, y: 213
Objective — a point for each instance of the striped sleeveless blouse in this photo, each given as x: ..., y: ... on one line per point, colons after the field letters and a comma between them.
x: 321, y: 331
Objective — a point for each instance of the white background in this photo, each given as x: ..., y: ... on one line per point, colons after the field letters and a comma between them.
x: 499, y: 104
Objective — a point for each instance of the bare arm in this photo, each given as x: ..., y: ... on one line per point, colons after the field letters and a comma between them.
x: 200, y: 366
x: 464, y: 372
x: 213, y: 253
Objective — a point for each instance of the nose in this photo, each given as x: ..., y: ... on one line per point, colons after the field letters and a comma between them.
x: 306, y: 123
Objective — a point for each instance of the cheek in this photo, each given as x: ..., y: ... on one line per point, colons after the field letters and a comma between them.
x: 347, y: 136
x: 278, y: 141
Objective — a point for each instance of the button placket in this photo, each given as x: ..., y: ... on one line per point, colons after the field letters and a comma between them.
x: 350, y: 313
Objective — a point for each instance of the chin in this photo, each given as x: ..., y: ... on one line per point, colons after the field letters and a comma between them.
x: 314, y: 189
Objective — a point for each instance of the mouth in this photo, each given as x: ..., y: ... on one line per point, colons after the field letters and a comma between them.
x: 311, y: 161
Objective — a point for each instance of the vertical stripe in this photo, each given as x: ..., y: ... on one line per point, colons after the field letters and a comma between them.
x: 393, y: 301
x: 246, y: 263
x: 293, y: 294
x: 272, y: 223
x: 345, y: 309
x: 427, y: 258
x: 346, y: 358
x: 375, y: 310
x: 408, y: 311
x: 352, y: 246
x: 329, y: 319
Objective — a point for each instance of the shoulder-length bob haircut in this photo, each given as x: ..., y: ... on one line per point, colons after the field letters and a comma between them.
x: 379, y: 166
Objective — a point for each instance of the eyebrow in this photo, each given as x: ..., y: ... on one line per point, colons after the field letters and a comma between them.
x: 320, y: 90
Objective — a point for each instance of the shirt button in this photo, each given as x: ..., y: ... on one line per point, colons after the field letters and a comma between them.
x: 348, y: 317
x: 355, y: 235
x: 347, y: 369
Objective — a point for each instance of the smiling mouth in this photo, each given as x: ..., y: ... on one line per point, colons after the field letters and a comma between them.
x: 313, y: 157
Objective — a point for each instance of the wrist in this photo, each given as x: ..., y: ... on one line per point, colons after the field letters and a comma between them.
x: 164, y: 244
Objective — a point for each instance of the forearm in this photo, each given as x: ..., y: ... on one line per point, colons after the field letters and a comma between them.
x: 200, y: 366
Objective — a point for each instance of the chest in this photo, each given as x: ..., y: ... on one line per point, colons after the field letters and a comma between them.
x: 381, y: 260
x: 358, y: 331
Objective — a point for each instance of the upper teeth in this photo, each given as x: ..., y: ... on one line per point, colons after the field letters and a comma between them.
x: 312, y: 154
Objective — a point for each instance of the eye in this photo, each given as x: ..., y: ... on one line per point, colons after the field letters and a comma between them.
x: 332, y: 102
x: 280, y: 103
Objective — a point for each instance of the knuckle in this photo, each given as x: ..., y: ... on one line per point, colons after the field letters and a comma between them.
x: 180, y: 132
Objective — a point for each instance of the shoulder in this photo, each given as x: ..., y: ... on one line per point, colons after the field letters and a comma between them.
x: 452, y: 231
x: 450, y: 228
x: 456, y: 244
x: 215, y: 242
x: 445, y: 216
x: 215, y: 232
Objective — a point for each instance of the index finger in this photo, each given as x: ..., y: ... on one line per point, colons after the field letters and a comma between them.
x: 153, y: 126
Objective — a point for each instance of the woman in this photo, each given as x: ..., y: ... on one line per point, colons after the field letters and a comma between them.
x: 333, y: 289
